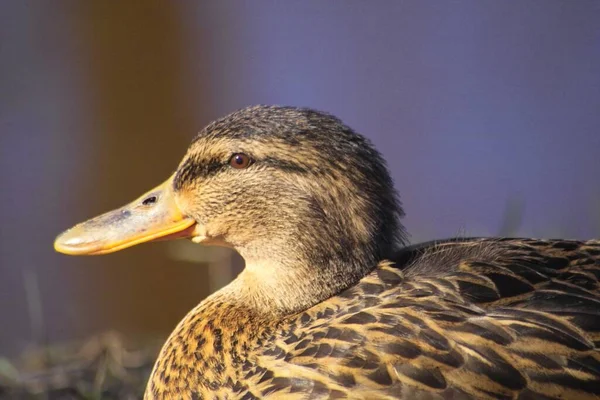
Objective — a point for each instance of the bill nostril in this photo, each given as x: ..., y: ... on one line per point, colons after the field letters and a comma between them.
x: 150, y: 200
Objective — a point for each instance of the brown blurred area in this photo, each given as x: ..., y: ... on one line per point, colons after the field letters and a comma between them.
x: 119, y: 70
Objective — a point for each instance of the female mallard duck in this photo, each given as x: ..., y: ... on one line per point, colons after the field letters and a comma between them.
x: 331, y: 304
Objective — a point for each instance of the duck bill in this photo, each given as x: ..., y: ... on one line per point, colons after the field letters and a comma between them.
x: 153, y: 216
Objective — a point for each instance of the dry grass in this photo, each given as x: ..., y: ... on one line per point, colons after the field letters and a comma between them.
x: 101, y: 368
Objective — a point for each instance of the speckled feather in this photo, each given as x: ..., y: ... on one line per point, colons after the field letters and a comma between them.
x: 458, y: 319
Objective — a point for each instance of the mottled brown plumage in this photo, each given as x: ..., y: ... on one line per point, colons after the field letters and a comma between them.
x: 459, y: 319
x: 331, y: 303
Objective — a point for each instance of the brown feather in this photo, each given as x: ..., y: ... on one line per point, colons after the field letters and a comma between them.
x: 406, y: 332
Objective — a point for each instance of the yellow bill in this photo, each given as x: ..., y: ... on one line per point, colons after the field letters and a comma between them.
x: 153, y: 216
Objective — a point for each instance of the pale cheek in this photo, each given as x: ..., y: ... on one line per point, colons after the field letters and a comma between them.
x: 244, y: 205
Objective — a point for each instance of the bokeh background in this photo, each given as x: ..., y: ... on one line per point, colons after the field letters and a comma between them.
x: 487, y: 111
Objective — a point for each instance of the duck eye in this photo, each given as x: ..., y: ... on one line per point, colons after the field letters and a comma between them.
x: 239, y: 161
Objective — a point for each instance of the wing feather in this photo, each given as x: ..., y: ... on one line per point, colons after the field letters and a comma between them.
x: 467, y: 318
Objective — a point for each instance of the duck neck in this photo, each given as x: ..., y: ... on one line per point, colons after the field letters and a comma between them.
x: 278, y: 285
x: 231, y: 322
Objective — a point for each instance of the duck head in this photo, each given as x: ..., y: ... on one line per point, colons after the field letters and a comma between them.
x: 295, y: 191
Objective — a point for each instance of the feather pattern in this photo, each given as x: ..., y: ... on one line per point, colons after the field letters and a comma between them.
x: 459, y: 319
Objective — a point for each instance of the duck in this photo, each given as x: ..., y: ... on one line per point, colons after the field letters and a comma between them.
x: 333, y: 302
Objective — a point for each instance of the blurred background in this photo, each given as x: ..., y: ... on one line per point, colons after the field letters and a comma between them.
x: 488, y: 113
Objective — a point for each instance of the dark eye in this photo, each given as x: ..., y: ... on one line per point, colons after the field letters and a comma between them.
x: 240, y: 161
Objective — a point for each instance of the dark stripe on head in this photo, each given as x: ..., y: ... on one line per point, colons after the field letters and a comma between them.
x: 193, y: 169
x: 287, y: 166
